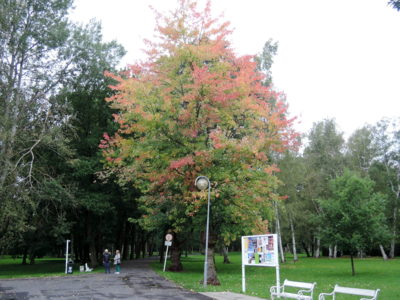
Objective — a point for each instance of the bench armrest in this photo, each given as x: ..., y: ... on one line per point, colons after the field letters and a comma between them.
x: 273, y: 289
x: 300, y: 292
x: 322, y: 295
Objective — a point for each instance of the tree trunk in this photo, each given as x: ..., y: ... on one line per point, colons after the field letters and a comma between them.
x: 176, y: 264
x: 396, y: 191
x: 92, y: 244
x: 138, y: 245
x: 330, y: 251
x: 317, y: 249
x: 212, y: 278
x: 335, y: 251
x: 125, y: 248
x: 278, y: 231
x: 353, y: 272
x: 384, y: 256
x: 25, y: 255
x: 295, y: 258
x: 306, y: 249
x: 394, y: 233
x: 225, y: 254
x: 32, y: 256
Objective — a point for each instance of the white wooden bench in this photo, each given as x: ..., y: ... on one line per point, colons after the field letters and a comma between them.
x: 304, y: 290
x: 373, y: 294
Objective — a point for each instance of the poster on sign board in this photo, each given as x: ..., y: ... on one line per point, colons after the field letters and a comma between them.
x: 260, y: 250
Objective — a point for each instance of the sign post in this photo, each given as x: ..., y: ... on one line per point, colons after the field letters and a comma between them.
x: 66, y: 257
x: 168, y: 242
x: 260, y: 251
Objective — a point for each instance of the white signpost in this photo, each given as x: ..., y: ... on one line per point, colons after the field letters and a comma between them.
x: 168, y: 242
x: 260, y: 251
x: 66, y: 257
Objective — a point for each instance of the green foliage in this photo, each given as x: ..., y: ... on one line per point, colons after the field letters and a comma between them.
x: 353, y: 218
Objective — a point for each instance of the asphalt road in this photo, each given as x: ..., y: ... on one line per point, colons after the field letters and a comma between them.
x: 136, y: 281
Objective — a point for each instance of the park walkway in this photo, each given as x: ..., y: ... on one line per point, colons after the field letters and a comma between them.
x: 137, y: 281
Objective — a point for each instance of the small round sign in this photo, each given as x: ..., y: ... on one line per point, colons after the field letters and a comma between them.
x: 168, y: 237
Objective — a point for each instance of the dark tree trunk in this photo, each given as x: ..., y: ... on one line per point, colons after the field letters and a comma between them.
x: 133, y: 237
x: 32, y: 256
x: 121, y: 239
x: 353, y: 272
x: 92, y: 244
x: 138, y: 243
x: 306, y: 249
x: 126, y: 241
x: 150, y: 243
x: 161, y: 252
x: 176, y: 264
x: 144, y: 244
x: 225, y: 254
x: 25, y: 255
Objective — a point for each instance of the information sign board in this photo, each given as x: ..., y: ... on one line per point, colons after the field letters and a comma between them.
x: 260, y: 250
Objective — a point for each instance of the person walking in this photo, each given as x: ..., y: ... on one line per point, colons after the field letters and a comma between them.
x: 106, y: 261
x: 117, y: 262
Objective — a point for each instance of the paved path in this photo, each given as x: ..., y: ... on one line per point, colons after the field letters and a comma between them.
x: 229, y: 296
x: 137, y: 281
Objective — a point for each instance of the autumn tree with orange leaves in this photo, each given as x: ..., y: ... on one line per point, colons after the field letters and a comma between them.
x: 196, y: 108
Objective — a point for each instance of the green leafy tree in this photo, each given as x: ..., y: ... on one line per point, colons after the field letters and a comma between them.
x: 97, y: 215
x: 353, y: 218
x: 297, y: 211
x: 324, y: 161
x: 361, y: 150
x: 362, y: 154
x: 195, y: 108
x: 386, y: 170
x: 33, y: 39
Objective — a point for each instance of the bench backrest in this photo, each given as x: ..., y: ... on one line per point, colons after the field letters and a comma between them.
x: 355, y: 291
x: 298, y: 284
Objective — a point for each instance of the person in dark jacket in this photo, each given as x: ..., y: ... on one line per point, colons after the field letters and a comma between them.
x: 106, y: 261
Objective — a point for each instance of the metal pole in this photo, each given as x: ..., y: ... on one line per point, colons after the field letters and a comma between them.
x: 243, y: 269
x: 165, y: 259
x: 278, y: 282
x: 207, y: 226
x: 66, y: 258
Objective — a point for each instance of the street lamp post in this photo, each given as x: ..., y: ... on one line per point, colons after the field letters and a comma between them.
x: 202, y: 182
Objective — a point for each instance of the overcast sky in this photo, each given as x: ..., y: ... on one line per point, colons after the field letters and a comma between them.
x: 336, y: 59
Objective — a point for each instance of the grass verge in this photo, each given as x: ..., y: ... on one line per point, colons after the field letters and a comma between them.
x: 43, y: 267
x: 371, y: 273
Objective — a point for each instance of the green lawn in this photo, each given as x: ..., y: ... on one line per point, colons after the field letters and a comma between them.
x: 371, y: 273
x: 12, y: 268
